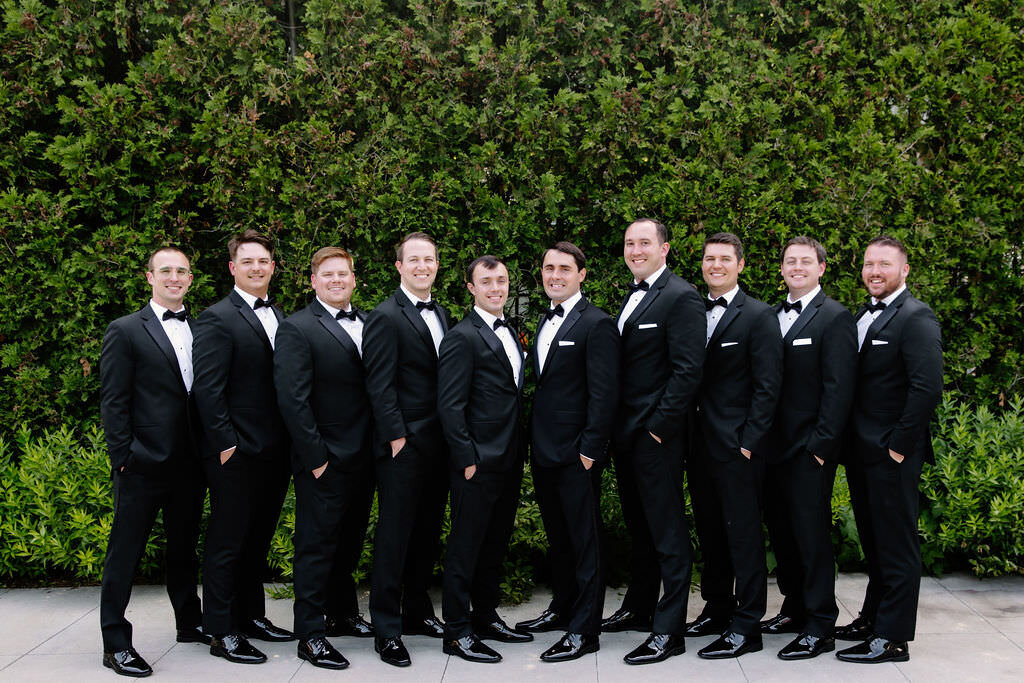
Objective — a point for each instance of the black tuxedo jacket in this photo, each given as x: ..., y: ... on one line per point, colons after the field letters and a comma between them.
x: 819, y: 372
x: 577, y: 393
x: 401, y: 371
x: 899, y: 382
x: 234, y: 381
x: 742, y: 377
x: 148, y: 417
x: 321, y: 391
x: 479, y: 402
x: 662, y: 356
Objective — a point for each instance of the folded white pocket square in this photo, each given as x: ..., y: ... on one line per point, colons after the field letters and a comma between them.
x: 806, y: 341
x: 566, y: 343
x: 724, y: 344
x: 878, y: 342
x: 646, y: 326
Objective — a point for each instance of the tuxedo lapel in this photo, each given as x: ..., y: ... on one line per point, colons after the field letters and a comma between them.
x: 412, y: 314
x: 570, y: 319
x: 648, y: 299
x: 155, y: 329
x: 250, y: 317
x: 883, y: 318
x: 805, y: 317
x: 494, y: 344
x: 731, y: 313
x: 332, y: 326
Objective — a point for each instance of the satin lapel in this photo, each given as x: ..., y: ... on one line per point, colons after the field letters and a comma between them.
x: 534, y: 354
x: 155, y: 329
x: 442, y: 317
x: 805, y: 317
x: 493, y: 343
x: 730, y: 314
x: 332, y: 326
x: 885, y: 316
x: 648, y: 299
x: 570, y: 319
x: 250, y: 317
x: 412, y: 314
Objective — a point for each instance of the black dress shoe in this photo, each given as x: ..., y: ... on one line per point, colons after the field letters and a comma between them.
x: 499, y: 630
x: 571, y: 646
x: 658, y: 647
x: 707, y: 626
x: 876, y: 650
x: 354, y: 626
x: 127, y: 663
x: 780, y: 623
x: 547, y: 621
x: 859, y: 629
x: 392, y: 651
x: 806, y: 646
x: 235, y: 648
x: 731, y: 644
x: 472, y: 649
x: 319, y: 652
x: 196, y: 634
x: 428, y: 626
x: 625, y: 620
x: 263, y: 629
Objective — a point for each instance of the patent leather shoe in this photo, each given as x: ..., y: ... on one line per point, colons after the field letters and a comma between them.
x: 392, y: 651
x: 731, y: 644
x: 547, y: 621
x: 428, y: 626
x: 263, y: 629
x: 859, y: 629
x: 319, y: 652
x: 353, y: 625
x: 500, y: 631
x: 876, y: 650
x: 196, y: 634
x: 657, y: 648
x: 625, y: 620
x: 806, y: 646
x: 235, y: 648
x: 571, y: 646
x: 780, y: 623
x: 472, y: 649
x: 707, y: 626
x: 127, y: 663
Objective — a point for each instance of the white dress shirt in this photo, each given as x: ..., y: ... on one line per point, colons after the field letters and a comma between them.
x: 354, y: 328
x: 716, y: 313
x: 266, y: 316
x: 550, y: 328
x: 515, y: 356
x: 869, y: 317
x: 787, y: 318
x: 180, y: 336
x: 636, y: 297
x: 429, y: 317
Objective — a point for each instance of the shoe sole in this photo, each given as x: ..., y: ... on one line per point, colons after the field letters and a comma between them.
x: 901, y: 658
x: 334, y: 667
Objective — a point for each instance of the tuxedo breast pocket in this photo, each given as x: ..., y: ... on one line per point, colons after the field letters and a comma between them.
x: 647, y: 326
x: 727, y: 344
x: 805, y: 341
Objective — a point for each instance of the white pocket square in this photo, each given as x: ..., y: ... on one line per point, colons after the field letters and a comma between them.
x: 566, y: 343
x: 878, y: 342
x: 805, y: 341
x: 646, y: 326
x: 724, y: 344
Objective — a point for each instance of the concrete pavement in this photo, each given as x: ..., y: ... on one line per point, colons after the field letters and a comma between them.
x: 968, y: 630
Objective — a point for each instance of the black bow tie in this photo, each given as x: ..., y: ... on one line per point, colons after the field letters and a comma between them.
x: 261, y: 303
x: 180, y: 315
x: 635, y: 287
x: 498, y: 322
x: 342, y: 315
x: 429, y: 305
x: 557, y: 310
x: 795, y: 306
x: 874, y: 308
x: 711, y: 303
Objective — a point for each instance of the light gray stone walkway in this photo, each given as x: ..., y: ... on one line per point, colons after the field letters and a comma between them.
x: 968, y: 630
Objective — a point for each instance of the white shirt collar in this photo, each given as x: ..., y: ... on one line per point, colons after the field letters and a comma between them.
x: 728, y: 296
x: 653, y: 277
x: 806, y: 298
x: 412, y: 297
x: 159, y: 310
x: 892, y: 297
x: 247, y: 297
x: 487, y: 317
x: 331, y: 309
x: 569, y: 303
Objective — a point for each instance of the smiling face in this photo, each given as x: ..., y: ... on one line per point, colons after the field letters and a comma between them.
x: 885, y: 270
x: 334, y: 282
x: 252, y: 267
x: 721, y: 268
x: 490, y: 288
x: 418, y: 267
x: 170, y: 278
x: 801, y: 269
x: 643, y: 250
x: 562, y: 278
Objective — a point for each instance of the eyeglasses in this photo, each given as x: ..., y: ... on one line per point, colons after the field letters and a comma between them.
x: 166, y: 272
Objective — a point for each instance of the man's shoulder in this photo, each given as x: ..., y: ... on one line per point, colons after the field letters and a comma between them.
x: 220, y: 308
x: 756, y: 306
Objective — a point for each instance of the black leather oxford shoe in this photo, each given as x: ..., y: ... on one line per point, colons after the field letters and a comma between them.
x: 571, y: 646
x: 235, y: 648
x: 547, y: 621
x: 876, y: 650
x: 263, y: 629
x: 707, y: 626
x: 354, y: 626
x: 428, y: 626
x: 392, y: 651
x: 196, y: 634
x: 657, y: 648
x: 860, y: 628
x: 319, y: 652
x: 780, y: 623
x: 625, y: 620
x: 806, y: 646
x: 472, y: 649
x: 731, y: 644
x: 127, y: 663
x: 499, y: 630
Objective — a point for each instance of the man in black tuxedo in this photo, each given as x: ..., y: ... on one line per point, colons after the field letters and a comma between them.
x: 479, y: 399
x: 400, y: 343
x: 246, y: 452
x: 819, y: 342
x: 661, y: 324
x: 149, y: 423
x: 738, y: 395
x: 575, y: 363
x: 318, y: 360
x: 899, y: 383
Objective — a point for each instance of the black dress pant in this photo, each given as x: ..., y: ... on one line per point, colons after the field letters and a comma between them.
x: 570, y: 506
x: 245, y: 503
x: 644, y: 573
x: 137, y: 498
x: 331, y: 514
x: 412, y: 493
x: 483, y: 515
x: 798, y: 513
x: 885, y: 501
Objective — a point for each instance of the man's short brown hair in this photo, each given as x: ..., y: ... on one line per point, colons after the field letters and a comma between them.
x: 149, y: 262
x: 726, y: 238
x: 804, y: 240
x: 570, y: 249
x: 250, y: 236
x: 660, y: 228
x: 330, y: 252
x: 414, y: 236
x: 889, y: 241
